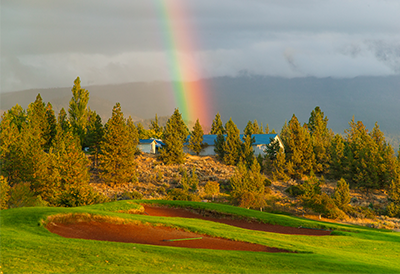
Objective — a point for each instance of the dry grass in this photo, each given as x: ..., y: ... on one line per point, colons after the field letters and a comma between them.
x: 71, y: 218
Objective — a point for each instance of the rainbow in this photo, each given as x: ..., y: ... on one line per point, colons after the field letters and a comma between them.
x: 190, y: 93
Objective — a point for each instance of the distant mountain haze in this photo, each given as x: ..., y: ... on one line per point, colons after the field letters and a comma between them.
x: 269, y: 100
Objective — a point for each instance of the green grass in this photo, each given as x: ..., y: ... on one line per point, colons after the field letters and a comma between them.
x: 27, y: 247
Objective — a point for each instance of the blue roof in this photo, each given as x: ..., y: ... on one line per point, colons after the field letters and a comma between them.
x: 149, y: 141
x: 260, y: 139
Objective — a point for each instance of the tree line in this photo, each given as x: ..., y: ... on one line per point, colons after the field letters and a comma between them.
x: 42, y: 154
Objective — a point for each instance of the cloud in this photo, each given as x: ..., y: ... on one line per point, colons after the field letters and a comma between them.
x: 48, y: 43
x: 387, y: 52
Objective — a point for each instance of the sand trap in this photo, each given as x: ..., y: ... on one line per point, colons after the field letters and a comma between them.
x: 183, y: 213
x: 146, y: 234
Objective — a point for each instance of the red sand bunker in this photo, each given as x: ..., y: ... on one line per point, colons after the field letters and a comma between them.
x: 165, y: 236
x: 146, y: 234
x: 183, y: 213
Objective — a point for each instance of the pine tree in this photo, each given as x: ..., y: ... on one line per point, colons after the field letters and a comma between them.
x: 248, y: 130
x: 95, y: 135
x: 219, y: 146
x: 52, y: 123
x: 267, y: 129
x: 196, y: 138
x: 247, y: 152
x: 175, y: 134
x: 342, y: 194
x: 78, y: 113
x: 132, y: 132
x: 143, y: 133
x: 272, y: 149
x: 298, y: 148
x: 232, y: 145
x: 248, y: 187
x: 117, y: 159
x: 155, y: 130
x: 321, y: 138
x: 217, y: 127
x: 9, y: 150
x: 279, y: 166
x: 38, y: 120
x: 337, y: 157
x: 63, y: 121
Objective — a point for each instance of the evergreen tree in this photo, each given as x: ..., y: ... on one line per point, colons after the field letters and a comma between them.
x: 9, y: 150
x: 38, y: 120
x: 279, y: 166
x: 219, y: 146
x: 95, y: 135
x: 196, y: 138
x: 117, y: 159
x: 247, y: 153
x: 143, y: 133
x: 133, y: 132
x: 248, y: 186
x: 337, y: 157
x: 232, y: 145
x: 63, y: 121
x: 248, y: 130
x: 342, y: 194
x: 78, y: 113
x: 267, y: 129
x: 155, y: 130
x: 217, y: 127
x: 52, y: 126
x: 321, y: 138
x: 17, y: 116
x: 175, y: 134
x: 272, y: 149
x: 298, y: 148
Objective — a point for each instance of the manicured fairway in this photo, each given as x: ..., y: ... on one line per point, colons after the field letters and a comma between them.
x: 27, y: 246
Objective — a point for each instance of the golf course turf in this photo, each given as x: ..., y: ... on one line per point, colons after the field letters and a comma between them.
x: 27, y: 246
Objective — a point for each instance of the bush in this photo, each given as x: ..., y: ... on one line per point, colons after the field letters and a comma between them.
x: 325, y: 205
x: 80, y: 196
x: 21, y: 195
x: 211, y: 189
x: 131, y: 195
x: 4, y: 193
x: 182, y: 195
x: 393, y: 210
x: 295, y: 190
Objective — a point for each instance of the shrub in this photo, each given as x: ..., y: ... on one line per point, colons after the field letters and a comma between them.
x: 182, y: 195
x: 295, y: 190
x: 4, y: 193
x: 211, y: 189
x: 80, y: 196
x: 393, y: 210
x: 342, y: 194
x: 325, y: 205
x: 21, y: 195
x: 131, y: 195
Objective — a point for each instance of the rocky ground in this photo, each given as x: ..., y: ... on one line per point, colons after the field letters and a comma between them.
x: 155, y: 179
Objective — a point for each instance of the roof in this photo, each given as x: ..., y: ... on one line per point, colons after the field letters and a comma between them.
x: 260, y: 139
x: 159, y: 143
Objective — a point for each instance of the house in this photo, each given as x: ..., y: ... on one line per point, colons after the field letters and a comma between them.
x: 150, y: 145
x: 260, y: 144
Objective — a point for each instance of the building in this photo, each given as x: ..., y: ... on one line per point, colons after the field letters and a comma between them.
x: 150, y: 145
x: 261, y: 143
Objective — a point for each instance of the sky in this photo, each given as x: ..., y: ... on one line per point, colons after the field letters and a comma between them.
x: 47, y: 44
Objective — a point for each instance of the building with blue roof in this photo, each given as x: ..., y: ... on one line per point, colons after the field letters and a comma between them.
x: 259, y: 146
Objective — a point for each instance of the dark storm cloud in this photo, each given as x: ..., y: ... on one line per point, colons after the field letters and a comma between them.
x: 123, y: 40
